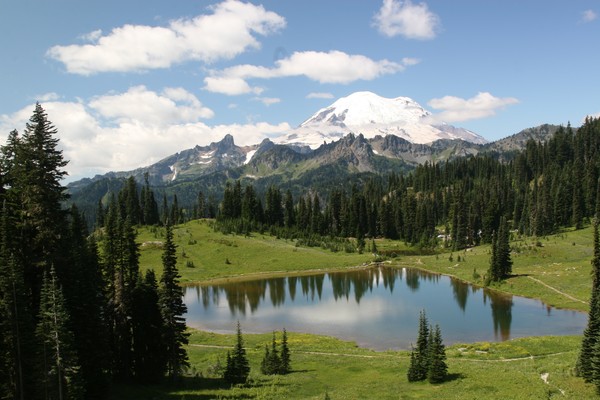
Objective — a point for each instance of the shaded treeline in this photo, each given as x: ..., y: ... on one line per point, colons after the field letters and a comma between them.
x: 75, y: 312
x: 546, y: 187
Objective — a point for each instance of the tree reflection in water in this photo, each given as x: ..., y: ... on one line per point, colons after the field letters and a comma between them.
x: 371, y: 305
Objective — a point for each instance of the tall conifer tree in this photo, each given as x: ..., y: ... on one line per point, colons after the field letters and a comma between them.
x: 172, y: 309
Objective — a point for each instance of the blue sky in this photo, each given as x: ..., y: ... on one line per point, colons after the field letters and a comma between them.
x: 130, y: 82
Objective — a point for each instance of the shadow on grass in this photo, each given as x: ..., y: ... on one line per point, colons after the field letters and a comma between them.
x: 454, y: 377
x: 188, y: 388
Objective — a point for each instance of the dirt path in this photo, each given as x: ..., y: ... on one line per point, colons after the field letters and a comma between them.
x: 383, y: 355
x: 515, y: 358
x: 568, y: 296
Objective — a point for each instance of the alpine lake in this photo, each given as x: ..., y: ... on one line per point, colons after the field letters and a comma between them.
x: 378, y: 308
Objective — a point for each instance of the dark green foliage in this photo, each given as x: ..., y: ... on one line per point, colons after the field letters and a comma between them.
x: 587, y: 363
x: 276, y: 362
x: 417, y: 370
x: 149, y: 355
x: 61, y: 377
x: 438, y: 370
x: 285, y: 366
x: 428, y: 359
x: 172, y: 308
x: 237, y: 368
x: 500, y: 260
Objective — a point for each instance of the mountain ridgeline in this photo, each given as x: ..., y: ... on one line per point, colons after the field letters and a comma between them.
x: 345, y: 190
x: 299, y: 168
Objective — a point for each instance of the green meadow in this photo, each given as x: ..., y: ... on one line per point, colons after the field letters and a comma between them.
x: 555, y: 269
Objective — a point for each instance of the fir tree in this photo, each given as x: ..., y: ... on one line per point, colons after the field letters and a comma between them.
x: 149, y: 353
x: 419, y: 362
x: 500, y: 261
x: 591, y: 334
x: 172, y: 309
x: 438, y: 370
x: 285, y: 365
x: 60, y: 367
x: 237, y: 368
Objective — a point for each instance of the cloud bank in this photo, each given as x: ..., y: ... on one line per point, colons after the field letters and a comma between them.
x: 230, y: 30
x: 123, y: 131
x: 333, y: 67
x: 456, y: 109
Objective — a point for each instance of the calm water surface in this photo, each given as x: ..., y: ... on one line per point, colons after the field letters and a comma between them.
x: 377, y: 308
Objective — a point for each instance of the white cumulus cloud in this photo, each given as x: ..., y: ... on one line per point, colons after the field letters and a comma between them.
x: 123, y: 131
x: 323, y: 67
x: 456, y: 109
x: 319, y: 95
x: 229, y: 30
x: 267, y: 101
x: 588, y: 16
x: 402, y: 17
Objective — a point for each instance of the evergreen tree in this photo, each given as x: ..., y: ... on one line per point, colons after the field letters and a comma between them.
x: 413, y: 373
x: 500, y: 261
x: 591, y: 334
x: 438, y: 370
x: 420, y: 356
x: 172, y: 309
x: 285, y: 365
x: 17, y: 359
x: 60, y: 367
x: 149, y: 349
x: 237, y: 368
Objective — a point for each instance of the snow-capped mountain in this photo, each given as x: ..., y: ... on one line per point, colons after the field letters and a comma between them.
x: 371, y: 115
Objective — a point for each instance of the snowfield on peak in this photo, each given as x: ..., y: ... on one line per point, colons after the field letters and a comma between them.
x: 371, y: 115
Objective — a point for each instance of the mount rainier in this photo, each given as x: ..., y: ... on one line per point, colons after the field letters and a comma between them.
x: 371, y: 115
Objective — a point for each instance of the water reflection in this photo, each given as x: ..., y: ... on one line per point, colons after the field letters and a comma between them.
x: 371, y: 307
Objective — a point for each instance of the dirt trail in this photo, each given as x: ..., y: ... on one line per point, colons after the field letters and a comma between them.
x: 384, y: 355
x: 568, y: 296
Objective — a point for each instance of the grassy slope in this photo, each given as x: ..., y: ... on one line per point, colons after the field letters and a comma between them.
x: 477, y: 370
x: 561, y: 261
x: 257, y: 254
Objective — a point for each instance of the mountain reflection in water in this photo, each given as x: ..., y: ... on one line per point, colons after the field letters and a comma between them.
x: 374, y: 308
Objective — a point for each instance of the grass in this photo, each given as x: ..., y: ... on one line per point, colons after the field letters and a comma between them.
x: 512, y: 370
x: 216, y: 256
x: 555, y: 269
x: 560, y: 261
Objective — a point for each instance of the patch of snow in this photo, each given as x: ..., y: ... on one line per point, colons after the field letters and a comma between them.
x: 375, y: 152
x: 172, y: 167
x: 208, y: 155
x: 174, y: 174
x: 371, y: 115
x: 249, y: 156
x: 203, y: 162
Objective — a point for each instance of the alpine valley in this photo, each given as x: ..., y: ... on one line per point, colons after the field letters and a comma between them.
x: 356, y: 138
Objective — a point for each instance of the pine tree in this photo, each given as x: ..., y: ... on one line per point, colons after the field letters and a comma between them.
x: 438, y: 370
x: 265, y: 368
x: 413, y: 374
x: 285, y: 365
x: 60, y: 367
x: 419, y: 364
x: 500, y: 261
x: 172, y: 309
x: 591, y: 334
x: 237, y: 368
x: 149, y: 349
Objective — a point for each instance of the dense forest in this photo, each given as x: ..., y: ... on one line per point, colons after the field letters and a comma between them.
x: 462, y: 202
x: 77, y: 313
